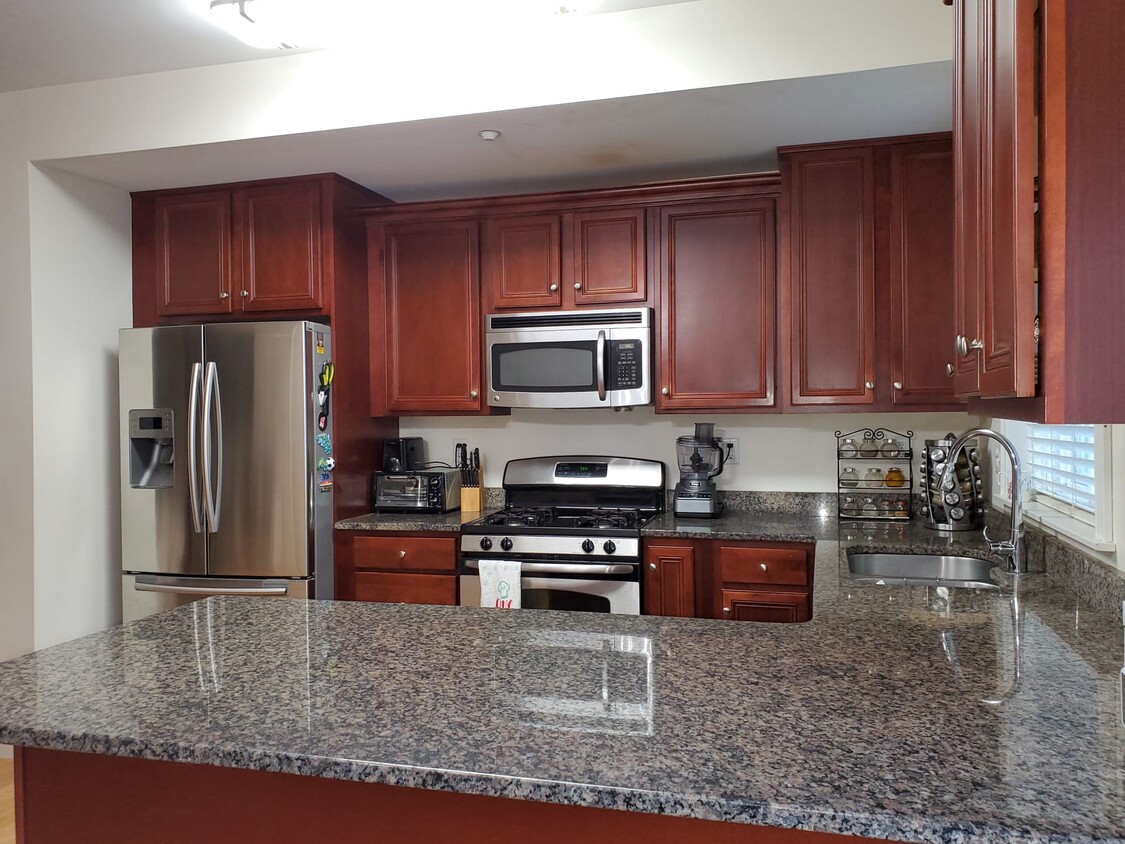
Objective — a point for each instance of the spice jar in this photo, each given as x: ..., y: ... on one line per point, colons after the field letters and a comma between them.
x: 870, y: 509
x: 873, y: 478
x: 894, y: 477
x: 848, y: 448
x: 892, y: 448
x: 848, y: 477
x: 868, y: 448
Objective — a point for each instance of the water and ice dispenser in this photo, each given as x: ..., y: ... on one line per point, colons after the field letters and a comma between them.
x: 152, y: 449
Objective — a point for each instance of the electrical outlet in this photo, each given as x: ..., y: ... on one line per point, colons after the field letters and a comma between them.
x: 452, y: 456
x: 731, y: 443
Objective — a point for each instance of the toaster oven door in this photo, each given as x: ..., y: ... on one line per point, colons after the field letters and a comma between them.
x: 401, y: 491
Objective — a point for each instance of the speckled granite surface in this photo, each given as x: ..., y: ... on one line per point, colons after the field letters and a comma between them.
x: 441, y: 522
x: 897, y: 712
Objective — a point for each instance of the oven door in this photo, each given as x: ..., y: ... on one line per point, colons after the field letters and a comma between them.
x: 564, y: 592
x: 535, y: 363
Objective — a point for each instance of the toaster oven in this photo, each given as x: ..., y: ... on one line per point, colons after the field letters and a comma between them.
x: 437, y: 491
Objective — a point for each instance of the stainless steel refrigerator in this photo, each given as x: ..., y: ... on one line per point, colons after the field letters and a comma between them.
x: 226, y: 462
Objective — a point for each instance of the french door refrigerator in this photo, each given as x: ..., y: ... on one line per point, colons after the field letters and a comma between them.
x: 226, y: 463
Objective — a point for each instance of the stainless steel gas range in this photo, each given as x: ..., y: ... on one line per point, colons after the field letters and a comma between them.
x: 574, y: 524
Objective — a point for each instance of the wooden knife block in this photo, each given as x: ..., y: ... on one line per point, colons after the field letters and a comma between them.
x: 471, y: 499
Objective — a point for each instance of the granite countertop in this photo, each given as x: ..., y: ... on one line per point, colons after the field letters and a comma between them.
x: 897, y: 712
x: 422, y: 522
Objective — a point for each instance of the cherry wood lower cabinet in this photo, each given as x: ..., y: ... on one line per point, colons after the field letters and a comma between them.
x: 68, y: 796
x: 669, y: 580
x: 740, y: 581
x: 406, y: 568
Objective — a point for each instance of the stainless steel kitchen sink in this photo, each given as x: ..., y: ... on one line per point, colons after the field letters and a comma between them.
x: 921, y: 570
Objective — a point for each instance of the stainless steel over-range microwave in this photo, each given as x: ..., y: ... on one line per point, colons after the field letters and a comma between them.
x: 570, y: 358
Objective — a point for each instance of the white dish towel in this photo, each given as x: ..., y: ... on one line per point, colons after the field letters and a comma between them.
x: 500, y: 584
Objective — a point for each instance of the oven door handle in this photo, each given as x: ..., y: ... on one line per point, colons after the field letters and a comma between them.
x: 563, y: 568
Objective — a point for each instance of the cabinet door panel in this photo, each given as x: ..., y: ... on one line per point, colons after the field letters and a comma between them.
x: 717, y: 304
x: 389, y: 588
x: 193, y: 254
x: 280, y: 241
x: 922, y: 320
x: 831, y: 284
x: 1007, y: 360
x: 432, y: 327
x: 521, y: 261
x: 609, y: 257
x: 782, y: 607
x: 967, y: 104
x: 669, y: 580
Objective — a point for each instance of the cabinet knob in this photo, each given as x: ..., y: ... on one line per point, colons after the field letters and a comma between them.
x: 949, y: 370
x: 964, y: 345
x: 762, y: 566
x: 869, y: 385
x: 473, y: 394
x: 652, y: 566
x: 664, y: 391
x: 898, y: 385
x: 402, y: 554
x: 245, y: 293
x: 554, y: 287
x: 726, y: 610
x: 577, y: 285
x: 224, y: 295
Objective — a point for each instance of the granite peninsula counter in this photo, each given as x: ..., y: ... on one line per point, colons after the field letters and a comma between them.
x: 895, y: 713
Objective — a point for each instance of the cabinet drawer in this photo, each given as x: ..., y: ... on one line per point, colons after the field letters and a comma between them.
x: 783, y: 607
x: 774, y: 566
x: 406, y: 588
x: 406, y: 553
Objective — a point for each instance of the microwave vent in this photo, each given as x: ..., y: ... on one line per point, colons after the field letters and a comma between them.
x: 569, y: 318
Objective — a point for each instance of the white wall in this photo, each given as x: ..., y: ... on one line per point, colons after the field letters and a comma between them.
x: 62, y: 241
x: 16, y: 479
x: 81, y: 269
x: 791, y: 453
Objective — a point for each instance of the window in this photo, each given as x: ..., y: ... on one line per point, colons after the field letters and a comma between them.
x: 1067, y: 475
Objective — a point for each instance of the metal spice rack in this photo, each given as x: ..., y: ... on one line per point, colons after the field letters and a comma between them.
x: 860, y: 451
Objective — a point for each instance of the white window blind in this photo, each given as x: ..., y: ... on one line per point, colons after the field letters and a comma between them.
x: 1062, y: 459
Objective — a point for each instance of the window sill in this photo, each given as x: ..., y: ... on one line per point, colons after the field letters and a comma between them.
x: 1051, y: 521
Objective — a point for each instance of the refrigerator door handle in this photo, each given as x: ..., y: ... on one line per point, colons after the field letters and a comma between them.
x: 213, y: 489
x: 193, y: 445
x: 277, y: 591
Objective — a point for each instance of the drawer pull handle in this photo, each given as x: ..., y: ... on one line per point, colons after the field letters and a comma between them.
x: 402, y: 554
x: 726, y: 610
x: 763, y: 566
x: 652, y: 566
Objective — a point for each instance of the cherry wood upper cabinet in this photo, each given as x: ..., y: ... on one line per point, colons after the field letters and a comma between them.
x: 192, y: 246
x: 522, y: 257
x: 828, y: 304
x: 608, y: 256
x: 996, y: 125
x: 869, y: 272
x: 717, y: 297
x: 279, y: 234
x: 586, y: 257
x: 425, y: 317
x: 669, y: 580
x: 920, y: 274
x: 254, y: 250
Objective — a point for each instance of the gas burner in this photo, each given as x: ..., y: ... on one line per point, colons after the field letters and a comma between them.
x: 522, y: 517
x: 601, y: 519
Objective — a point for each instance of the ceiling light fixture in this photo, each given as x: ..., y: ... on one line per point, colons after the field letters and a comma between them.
x: 489, y: 134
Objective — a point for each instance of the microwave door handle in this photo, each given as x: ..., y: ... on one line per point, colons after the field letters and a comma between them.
x: 600, y: 355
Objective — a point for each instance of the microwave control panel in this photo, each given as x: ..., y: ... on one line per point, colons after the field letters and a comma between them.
x: 625, y: 364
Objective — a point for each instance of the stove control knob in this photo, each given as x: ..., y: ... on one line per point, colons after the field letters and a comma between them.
x: 485, y: 543
x: 609, y: 547
x: 588, y: 546
x: 506, y: 543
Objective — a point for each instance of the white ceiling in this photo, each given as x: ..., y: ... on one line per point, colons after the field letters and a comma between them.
x: 680, y: 134
x: 55, y: 42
